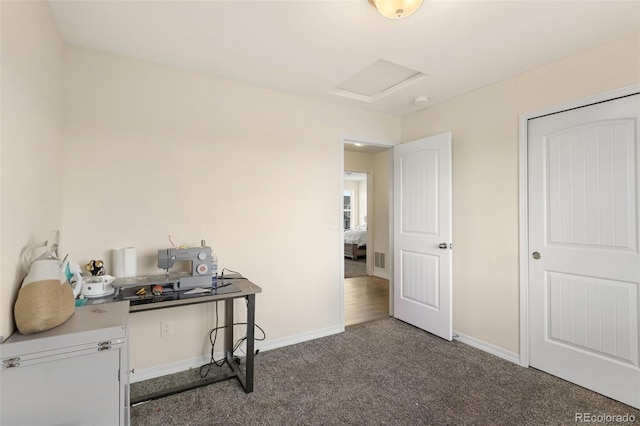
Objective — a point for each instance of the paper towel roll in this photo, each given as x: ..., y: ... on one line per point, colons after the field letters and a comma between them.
x: 125, y: 262
x: 130, y: 262
x: 118, y: 263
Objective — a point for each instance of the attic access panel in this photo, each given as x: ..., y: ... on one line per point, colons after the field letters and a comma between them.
x: 379, y: 79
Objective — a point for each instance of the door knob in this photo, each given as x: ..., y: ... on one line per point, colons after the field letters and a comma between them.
x: 535, y: 255
x: 442, y: 245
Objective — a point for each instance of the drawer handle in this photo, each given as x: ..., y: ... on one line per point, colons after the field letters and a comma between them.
x: 11, y: 362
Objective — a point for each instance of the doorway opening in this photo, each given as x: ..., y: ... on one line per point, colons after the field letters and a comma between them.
x: 365, y: 232
x: 354, y: 224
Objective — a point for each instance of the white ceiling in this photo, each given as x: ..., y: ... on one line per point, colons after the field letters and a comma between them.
x: 312, y: 47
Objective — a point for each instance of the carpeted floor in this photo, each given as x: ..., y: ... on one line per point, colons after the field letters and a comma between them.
x: 381, y: 372
x: 355, y: 268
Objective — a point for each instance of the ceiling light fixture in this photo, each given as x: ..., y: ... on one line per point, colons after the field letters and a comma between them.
x: 396, y: 9
x: 358, y: 144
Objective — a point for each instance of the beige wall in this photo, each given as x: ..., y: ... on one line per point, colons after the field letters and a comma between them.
x: 362, y: 202
x: 152, y: 151
x: 381, y: 209
x: 30, y: 140
x: 358, y: 162
x: 485, y: 177
x: 149, y: 151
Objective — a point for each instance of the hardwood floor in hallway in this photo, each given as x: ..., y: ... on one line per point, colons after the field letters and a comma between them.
x: 366, y: 299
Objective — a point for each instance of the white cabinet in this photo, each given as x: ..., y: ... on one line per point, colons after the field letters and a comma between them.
x: 74, y: 374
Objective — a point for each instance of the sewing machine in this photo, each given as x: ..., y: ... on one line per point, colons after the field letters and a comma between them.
x: 199, y: 276
x: 200, y: 258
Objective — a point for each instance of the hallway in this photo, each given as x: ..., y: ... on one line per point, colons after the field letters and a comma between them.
x: 366, y: 299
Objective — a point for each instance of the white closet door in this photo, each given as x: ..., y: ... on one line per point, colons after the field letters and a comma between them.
x: 584, y: 266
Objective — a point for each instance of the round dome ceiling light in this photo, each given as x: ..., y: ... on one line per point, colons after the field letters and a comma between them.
x: 396, y: 9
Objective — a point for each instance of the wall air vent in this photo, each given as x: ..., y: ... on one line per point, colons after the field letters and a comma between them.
x: 379, y: 260
x: 377, y: 81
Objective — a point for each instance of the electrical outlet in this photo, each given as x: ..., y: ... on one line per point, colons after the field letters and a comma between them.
x: 166, y: 328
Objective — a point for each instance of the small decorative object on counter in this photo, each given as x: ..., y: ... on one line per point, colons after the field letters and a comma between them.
x: 157, y: 290
x: 96, y: 267
x: 214, y: 270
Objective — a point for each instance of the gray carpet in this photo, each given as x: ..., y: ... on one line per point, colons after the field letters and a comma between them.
x: 355, y: 268
x: 381, y: 372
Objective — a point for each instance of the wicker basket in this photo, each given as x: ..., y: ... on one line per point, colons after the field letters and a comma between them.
x: 42, y: 305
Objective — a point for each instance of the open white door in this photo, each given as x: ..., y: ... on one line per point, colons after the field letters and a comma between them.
x: 422, y: 234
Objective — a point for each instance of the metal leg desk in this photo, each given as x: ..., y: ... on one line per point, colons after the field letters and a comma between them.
x: 247, y: 290
x: 246, y: 379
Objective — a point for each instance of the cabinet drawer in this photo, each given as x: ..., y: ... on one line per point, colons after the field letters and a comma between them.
x: 80, y: 388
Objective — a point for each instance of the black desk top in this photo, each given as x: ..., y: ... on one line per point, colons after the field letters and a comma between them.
x: 228, y: 288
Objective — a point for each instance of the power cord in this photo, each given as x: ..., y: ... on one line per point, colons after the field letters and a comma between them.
x: 213, y: 336
x: 243, y: 339
x: 233, y: 272
x: 239, y: 342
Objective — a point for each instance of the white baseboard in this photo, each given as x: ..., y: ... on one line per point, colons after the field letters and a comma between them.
x: 487, y: 347
x: 176, y: 367
x: 298, y: 338
x: 140, y: 375
x: 381, y: 273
